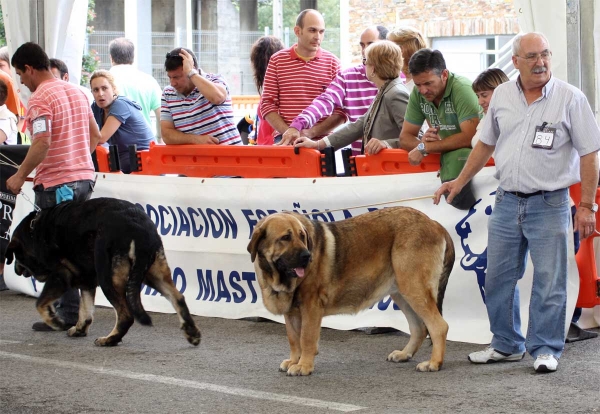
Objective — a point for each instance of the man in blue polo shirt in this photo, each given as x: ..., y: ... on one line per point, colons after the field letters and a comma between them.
x: 196, y: 107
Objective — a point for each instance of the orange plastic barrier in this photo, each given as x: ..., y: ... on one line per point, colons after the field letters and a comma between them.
x: 245, y: 102
x: 102, y: 158
x: 395, y: 161
x: 589, y: 282
x: 226, y: 160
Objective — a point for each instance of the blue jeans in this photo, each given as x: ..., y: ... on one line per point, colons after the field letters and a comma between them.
x: 67, y: 307
x: 538, y: 225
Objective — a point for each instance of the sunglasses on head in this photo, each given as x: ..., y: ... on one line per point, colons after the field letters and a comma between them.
x: 173, y: 55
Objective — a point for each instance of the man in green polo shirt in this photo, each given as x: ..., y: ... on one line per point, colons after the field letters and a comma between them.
x: 450, y: 106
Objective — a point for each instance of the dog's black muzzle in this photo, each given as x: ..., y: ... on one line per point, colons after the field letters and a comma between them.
x: 287, y: 264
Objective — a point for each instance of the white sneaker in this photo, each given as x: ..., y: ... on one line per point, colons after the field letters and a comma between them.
x: 545, y: 363
x: 490, y: 355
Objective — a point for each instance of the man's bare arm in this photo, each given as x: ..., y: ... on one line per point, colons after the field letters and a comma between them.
x: 325, y: 127
x: 585, y: 219
x: 459, y: 140
x: 95, y: 135
x: 409, y: 136
x: 277, y: 122
x: 172, y: 136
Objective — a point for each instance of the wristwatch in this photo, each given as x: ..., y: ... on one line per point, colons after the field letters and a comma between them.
x: 421, y: 149
x: 591, y: 206
x: 192, y: 73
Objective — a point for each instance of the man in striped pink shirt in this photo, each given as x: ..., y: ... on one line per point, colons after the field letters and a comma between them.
x: 350, y: 91
x: 297, y: 75
x: 63, y: 134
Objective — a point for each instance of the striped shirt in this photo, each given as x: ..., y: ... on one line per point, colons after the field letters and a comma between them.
x: 291, y: 83
x: 350, y: 91
x: 194, y: 114
x: 60, y: 113
x: 510, y: 124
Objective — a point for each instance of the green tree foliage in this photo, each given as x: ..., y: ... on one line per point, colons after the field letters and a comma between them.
x: 2, y: 31
x: 329, y: 8
x: 89, y: 60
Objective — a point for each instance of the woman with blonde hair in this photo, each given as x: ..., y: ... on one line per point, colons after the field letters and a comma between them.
x: 380, y: 126
x: 120, y: 120
x: 410, y: 40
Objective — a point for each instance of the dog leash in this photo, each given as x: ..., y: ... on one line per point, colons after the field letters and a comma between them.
x: 5, y: 160
x: 35, y: 206
x: 404, y: 200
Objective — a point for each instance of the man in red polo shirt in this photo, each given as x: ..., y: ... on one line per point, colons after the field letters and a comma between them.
x: 297, y: 75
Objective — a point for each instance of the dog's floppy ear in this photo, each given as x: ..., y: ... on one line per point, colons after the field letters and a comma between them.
x: 258, y: 234
x: 308, y: 239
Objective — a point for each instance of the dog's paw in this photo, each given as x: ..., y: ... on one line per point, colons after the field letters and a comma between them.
x: 106, y: 341
x: 74, y: 332
x: 399, y: 356
x: 428, y: 366
x: 298, y: 370
x: 192, y: 334
x: 283, y: 367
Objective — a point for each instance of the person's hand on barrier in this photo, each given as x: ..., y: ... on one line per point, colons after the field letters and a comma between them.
x: 451, y: 188
x: 15, y: 183
x: 431, y: 135
x: 374, y: 146
x: 309, y: 133
x: 584, y: 223
x: 206, y: 140
x: 415, y: 157
x: 188, y: 61
x: 306, y: 143
x: 289, y: 137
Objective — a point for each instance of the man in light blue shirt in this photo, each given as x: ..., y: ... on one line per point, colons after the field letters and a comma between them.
x: 546, y: 139
x: 133, y: 83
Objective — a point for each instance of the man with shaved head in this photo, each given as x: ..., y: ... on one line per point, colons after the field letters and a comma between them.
x: 297, y: 75
x: 351, y: 91
x: 545, y: 139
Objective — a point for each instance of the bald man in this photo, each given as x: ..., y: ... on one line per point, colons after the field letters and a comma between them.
x: 350, y: 91
x: 297, y: 75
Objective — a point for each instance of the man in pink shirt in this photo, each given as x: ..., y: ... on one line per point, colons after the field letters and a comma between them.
x: 297, y: 75
x: 63, y: 135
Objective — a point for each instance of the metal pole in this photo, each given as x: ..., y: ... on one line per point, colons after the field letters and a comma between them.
x: 588, y: 72
x: 573, y: 43
x: 36, y: 22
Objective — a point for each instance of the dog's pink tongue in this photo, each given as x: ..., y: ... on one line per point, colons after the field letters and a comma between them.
x: 299, y: 271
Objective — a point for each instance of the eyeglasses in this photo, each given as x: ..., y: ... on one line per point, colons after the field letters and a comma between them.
x: 172, y: 55
x: 364, y: 61
x: 546, y: 55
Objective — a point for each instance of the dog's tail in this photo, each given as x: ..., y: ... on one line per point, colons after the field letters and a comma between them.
x: 134, y: 284
x: 447, y: 269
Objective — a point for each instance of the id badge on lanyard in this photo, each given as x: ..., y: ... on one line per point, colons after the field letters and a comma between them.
x: 543, y: 137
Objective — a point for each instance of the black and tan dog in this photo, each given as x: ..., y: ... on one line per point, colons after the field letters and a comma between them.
x: 308, y: 269
x: 106, y: 242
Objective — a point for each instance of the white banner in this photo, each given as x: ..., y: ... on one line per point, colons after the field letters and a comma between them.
x: 206, y: 225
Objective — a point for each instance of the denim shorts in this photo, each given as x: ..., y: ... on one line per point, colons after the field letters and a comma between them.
x: 46, y: 197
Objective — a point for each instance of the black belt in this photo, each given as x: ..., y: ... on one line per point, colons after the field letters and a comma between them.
x: 525, y: 195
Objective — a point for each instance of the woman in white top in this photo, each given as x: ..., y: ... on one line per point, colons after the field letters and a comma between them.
x: 484, y: 86
x: 8, y: 120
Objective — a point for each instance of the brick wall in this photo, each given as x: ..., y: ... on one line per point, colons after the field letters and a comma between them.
x: 434, y: 18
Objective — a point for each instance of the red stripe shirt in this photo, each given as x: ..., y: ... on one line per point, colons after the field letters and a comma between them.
x: 292, y: 83
x: 60, y: 113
